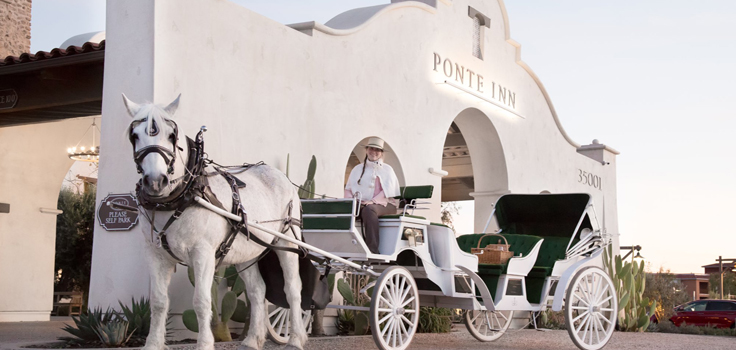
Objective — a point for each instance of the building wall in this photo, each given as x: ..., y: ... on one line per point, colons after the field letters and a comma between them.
x: 266, y: 90
x: 15, y: 27
x: 33, y: 164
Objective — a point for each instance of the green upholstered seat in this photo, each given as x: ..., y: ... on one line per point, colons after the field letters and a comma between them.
x: 490, y: 273
x: 396, y: 216
x: 553, y: 249
x: 415, y: 192
x: 327, y: 214
x: 328, y: 207
x: 324, y: 223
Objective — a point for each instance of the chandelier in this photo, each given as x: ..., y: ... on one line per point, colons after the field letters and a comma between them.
x: 83, y: 153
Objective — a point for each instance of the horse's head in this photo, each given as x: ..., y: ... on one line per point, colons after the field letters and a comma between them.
x: 154, y: 136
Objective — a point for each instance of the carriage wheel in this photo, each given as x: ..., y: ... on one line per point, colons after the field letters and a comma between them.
x: 394, y: 315
x: 487, y: 325
x: 591, y: 308
x: 279, y: 321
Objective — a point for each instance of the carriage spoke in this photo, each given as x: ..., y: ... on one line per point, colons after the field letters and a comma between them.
x: 407, y: 301
x: 384, y: 319
x: 607, y: 320
x: 605, y: 300
x: 403, y: 331
x: 388, y: 325
x: 579, y: 316
x: 577, y: 330
x: 390, y: 332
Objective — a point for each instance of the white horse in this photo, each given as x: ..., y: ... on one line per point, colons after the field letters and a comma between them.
x: 198, y: 233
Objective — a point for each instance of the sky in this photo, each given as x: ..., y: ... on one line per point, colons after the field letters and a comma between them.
x: 653, y: 79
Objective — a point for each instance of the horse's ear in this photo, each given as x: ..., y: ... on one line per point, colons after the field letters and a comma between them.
x: 131, y: 106
x: 171, y: 108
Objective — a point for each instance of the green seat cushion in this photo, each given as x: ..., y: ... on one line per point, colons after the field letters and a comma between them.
x: 415, y: 192
x: 327, y: 207
x: 396, y: 216
x: 322, y: 223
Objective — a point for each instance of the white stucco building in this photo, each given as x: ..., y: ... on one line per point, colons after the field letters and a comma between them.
x: 440, y: 81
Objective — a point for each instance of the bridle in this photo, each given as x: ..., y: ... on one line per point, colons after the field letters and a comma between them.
x: 169, y: 156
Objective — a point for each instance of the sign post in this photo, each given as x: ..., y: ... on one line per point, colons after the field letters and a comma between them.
x: 117, y: 219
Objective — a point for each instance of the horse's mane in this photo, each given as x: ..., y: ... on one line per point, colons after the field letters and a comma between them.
x: 151, y: 112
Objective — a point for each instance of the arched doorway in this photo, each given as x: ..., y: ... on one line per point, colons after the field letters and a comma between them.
x: 476, y: 166
x: 389, y: 156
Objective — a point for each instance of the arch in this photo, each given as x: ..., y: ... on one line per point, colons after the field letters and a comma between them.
x: 357, y: 154
x: 486, y: 152
x: 476, y: 164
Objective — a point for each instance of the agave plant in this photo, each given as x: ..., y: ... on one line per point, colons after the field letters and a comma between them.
x: 138, y: 316
x: 114, y: 334
x: 86, y: 325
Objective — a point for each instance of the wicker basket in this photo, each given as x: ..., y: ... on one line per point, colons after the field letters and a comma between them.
x: 497, y: 254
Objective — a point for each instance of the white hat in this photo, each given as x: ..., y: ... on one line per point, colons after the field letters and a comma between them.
x: 375, y: 142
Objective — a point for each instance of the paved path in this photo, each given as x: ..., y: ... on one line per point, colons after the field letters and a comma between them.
x: 15, y: 335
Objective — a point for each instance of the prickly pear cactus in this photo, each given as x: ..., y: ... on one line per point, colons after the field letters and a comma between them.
x: 231, y: 308
x: 306, y: 191
x: 629, y: 280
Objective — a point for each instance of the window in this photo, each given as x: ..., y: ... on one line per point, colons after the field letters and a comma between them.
x: 720, y: 306
x: 696, y: 306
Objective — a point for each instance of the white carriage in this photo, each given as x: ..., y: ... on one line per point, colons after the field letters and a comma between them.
x: 557, y: 244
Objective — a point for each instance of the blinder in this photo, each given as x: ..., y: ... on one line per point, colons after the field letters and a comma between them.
x: 168, y: 156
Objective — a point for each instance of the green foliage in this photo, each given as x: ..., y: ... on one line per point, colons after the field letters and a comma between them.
x: 74, y: 234
x: 231, y: 308
x: 138, y: 317
x: 360, y: 318
x: 667, y: 291
x: 113, y: 334
x: 345, y: 322
x: 629, y: 280
x: 729, y: 285
x: 434, y: 320
x: 306, y: 191
x: 108, y: 327
x: 551, y: 319
x: 668, y: 327
x: 85, y: 324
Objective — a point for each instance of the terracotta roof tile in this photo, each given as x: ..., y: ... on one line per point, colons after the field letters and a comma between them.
x: 55, y: 53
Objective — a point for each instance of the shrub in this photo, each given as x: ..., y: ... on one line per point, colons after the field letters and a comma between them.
x: 667, y: 291
x: 551, y: 319
x: 669, y: 327
x: 74, y: 234
x: 434, y: 320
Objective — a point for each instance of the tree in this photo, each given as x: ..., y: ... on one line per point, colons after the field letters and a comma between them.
x: 447, y: 209
x: 74, y: 234
x: 664, y: 287
x: 729, y: 285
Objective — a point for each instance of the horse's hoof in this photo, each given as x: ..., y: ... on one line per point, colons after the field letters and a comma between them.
x: 243, y: 347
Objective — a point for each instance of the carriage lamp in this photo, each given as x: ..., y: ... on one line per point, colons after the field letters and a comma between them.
x: 82, y: 153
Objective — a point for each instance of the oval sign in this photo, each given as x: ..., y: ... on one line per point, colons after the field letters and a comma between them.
x: 117, y: 219
x: 8, y: 98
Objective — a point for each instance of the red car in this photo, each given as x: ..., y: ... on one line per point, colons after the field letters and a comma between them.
x: 713, y: 313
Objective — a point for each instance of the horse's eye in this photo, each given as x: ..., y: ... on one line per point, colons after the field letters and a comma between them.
x: 172, y: 138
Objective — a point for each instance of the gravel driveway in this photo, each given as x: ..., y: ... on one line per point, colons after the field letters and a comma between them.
x: 12, y: 336
x: 523, y: 339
